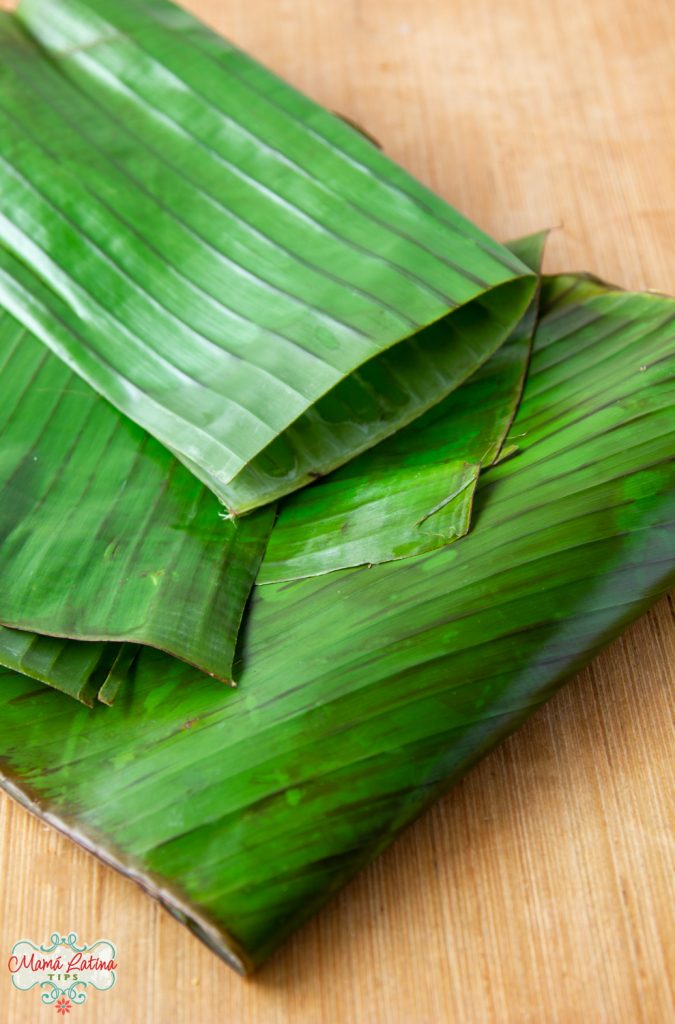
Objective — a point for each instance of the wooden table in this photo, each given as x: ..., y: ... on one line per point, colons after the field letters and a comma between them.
x: 541, y: 889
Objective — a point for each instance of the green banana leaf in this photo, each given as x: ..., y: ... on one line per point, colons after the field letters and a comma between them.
x: 161, y: 189
x: 104, y: 535
x: 365, y: 693
x: 413, y: 492
x: 83, y: 671
x: 118, y: 674
x: 88, y: 670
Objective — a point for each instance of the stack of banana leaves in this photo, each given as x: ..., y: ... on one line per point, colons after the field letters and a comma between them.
x: 311, y: 491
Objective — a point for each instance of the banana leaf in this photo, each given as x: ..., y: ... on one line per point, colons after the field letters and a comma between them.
x: 413, y: 492
x: 81, y: 670
x: 161, y: 189
x: 105, y: 536
x: 98, y: 669
x: 365, y: 693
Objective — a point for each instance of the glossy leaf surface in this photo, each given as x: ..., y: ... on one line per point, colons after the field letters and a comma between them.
x: 236, y: 240
x: 365, y: 693
x: 104, y: 535
x: 413, y: 492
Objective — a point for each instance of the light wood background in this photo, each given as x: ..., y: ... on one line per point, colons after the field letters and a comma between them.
x: 541, y: 889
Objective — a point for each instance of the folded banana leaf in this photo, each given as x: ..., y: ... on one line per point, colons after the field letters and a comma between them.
x: 160, y: 188
x: 366, y: 692
x: 82, y: 670
x: 105, y: 536
x: 199, y: 624
x: 104, y: 488
x: 413, y: 492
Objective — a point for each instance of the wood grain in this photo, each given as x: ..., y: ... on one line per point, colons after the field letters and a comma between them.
x: 541, y: 889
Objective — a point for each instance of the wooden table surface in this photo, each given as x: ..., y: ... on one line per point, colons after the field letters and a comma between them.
x: 541, y: 889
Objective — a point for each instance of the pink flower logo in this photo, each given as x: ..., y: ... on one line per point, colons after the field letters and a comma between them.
x: 63, y: 1006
